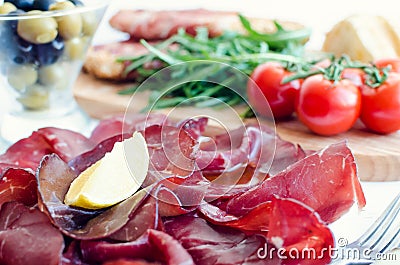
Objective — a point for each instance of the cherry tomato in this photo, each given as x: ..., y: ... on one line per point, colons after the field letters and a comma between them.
x: 268, y: 85
x: 393, y: 62
x: 354, y: 75
x: 380, y: 111
x: 322, y: 64
x: 327, y: 108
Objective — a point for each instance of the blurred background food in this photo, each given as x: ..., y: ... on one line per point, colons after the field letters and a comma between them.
x: 364, y: 38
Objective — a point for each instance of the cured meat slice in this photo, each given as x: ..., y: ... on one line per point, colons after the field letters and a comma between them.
x: 152, y: 246
x: 155, y: 25
x: 171, y: 152
x: 28, y: 152
x: 121, y: 124
x: 65, y: 143
x: 255, y: 145
x: 298, y: 230
x: 18, y: 185
x: 209, y: 244
x: 85, y: 160
x: 54, y: 178
x: 171, y: 148
x: 292, y: 226
x: 195, y: 127
x: 326, y: 181
x: 256, y: 221
x: 130, y: 262
x: 27, y: 237
x: 72, y: 255
x: 125, y: 221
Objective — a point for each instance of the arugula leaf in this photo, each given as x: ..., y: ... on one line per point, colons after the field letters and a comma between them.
x: 241, y: 51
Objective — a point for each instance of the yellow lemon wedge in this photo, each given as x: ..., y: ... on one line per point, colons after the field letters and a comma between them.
x: 112, y: 179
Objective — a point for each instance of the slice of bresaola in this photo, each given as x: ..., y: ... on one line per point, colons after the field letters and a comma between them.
x: 28, y: 237
x: 326, y: 181
x: 28, y: 152
x: 295, y: 227
x: 255, y: 145
x: 153, y: 245
x: 18, y: 185
x: 156, y: 25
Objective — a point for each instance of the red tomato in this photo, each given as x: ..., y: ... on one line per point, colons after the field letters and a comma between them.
x: 268, y: 85
x: 380, y: 110
x: 322, y: 64
x: 327, y: 108
x: 393, y: 62
x: 354, y: 75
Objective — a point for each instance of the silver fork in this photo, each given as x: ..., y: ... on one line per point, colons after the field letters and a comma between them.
x: 382, y: 236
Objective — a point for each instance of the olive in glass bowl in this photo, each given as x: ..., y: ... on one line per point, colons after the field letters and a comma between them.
x: 43, y: 45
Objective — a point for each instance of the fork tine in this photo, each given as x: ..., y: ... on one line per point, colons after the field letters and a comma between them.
x: 381, y: 225
x: 394, y: 242
x: 389, y: 229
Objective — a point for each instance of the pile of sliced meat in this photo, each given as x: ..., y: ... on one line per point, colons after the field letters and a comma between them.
x: 229, y: 202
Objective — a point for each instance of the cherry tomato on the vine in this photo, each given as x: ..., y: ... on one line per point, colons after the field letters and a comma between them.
x: 267, y: 83
x: 380, y: 111
x: 328, y: 108
x: 354, y: 75
x: 394, y: 63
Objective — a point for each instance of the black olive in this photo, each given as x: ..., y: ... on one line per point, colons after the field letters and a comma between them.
x: 22, y: 4
x: 42, y: 4
x: 12, y: 24
x: 50, y: 52
x: 24, y: 53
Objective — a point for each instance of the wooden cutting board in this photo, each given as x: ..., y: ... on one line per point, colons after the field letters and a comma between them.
x: 377, y: 156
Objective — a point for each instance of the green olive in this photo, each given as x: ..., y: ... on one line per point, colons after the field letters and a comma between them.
x: 69, y: 26
x: 64, y: 5
x: 37, y: 30
x: 7, y: 8
x: 50, y: 75
x: 21, y: 76
x: 35, y: 98
x: 89, y: 24
x: 76, y: 48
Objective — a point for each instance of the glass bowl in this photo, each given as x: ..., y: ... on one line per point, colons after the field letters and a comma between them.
x: 43, y: 45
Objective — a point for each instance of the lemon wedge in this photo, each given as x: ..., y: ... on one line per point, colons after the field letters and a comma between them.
x: 112, y: 179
